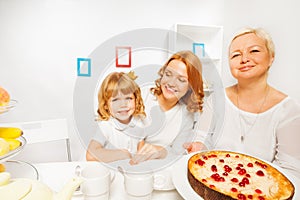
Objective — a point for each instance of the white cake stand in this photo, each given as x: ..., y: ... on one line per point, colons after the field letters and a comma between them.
x: 17, y: 169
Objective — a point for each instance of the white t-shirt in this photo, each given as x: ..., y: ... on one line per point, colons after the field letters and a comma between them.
x: 169, y: 129
x: 114, y: 135
x: 273, y: 135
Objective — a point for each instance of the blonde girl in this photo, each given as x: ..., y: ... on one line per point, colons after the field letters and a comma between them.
x: 121, y: 117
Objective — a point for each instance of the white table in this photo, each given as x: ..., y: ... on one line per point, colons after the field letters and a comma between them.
x: 56, y: 174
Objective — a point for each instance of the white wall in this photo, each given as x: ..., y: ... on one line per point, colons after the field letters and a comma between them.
x: 40, y: 41
x: 281, y: 20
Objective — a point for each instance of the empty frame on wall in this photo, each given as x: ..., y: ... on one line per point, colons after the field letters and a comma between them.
x: 199, y: 49
x: 83, y: 67
x: 123, y: 56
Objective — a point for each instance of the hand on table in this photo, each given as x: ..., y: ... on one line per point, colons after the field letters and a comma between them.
x: 146, y: 151
x: 194, y: 146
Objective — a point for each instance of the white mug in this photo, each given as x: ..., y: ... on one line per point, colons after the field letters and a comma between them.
x: 138, y: 186
x: 96, y: 181
x: 163, y: 179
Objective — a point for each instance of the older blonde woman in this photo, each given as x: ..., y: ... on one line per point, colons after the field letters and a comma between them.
x: 259, y: 119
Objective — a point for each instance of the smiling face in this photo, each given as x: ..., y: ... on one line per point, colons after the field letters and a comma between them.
x: 122, y: 107
x: 174, y: 82
x: 249, y: 57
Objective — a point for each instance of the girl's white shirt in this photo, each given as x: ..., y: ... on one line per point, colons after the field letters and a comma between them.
x: 115, y: 135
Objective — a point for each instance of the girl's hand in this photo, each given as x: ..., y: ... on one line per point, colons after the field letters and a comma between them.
x: 194, y: 146
x: 147, y: 151
x: 140, y: 145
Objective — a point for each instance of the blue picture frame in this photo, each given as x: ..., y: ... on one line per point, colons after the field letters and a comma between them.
x: 82, y: 62
x: 199, y: 49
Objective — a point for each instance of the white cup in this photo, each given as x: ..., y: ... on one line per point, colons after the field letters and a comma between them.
x: 163, y: 180
x: 138, y: 186
x: 96, y: 181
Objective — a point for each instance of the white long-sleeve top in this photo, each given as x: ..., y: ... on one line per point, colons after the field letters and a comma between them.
x: 273, y: 135
x: 170, y: 129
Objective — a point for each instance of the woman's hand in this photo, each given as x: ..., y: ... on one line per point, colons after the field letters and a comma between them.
x: 148, y: 151
x: 194, y: 146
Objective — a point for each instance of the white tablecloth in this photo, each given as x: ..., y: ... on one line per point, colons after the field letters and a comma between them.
x: 56, y: 174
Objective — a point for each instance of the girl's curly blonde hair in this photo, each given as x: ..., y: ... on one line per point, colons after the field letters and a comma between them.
x: 194, y: 96
x: 114, y: 83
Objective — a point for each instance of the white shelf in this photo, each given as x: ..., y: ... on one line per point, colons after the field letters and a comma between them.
x: 183, y: 37
x: 211, y: 36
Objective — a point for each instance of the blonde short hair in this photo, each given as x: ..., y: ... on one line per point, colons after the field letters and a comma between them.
x: 114, y: 83
x: 261, y: 33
